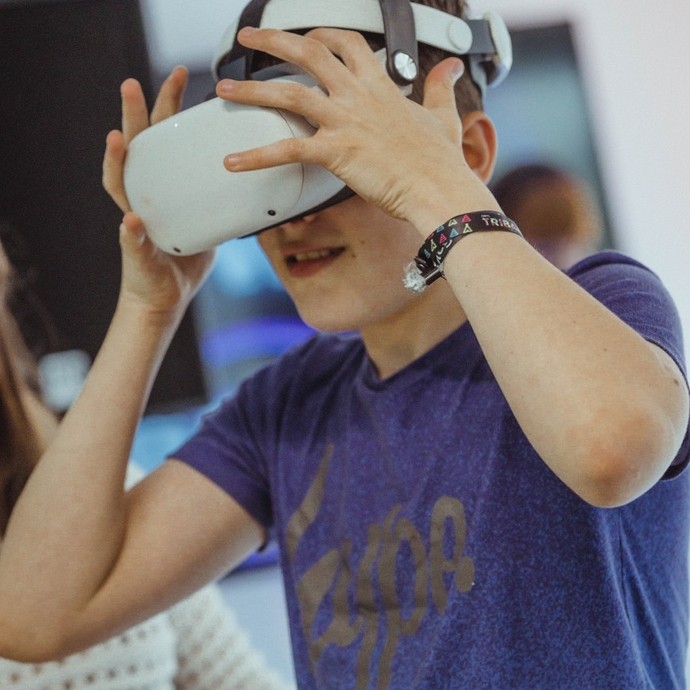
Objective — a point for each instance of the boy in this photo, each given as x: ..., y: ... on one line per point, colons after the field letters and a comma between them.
x: 481, y: 487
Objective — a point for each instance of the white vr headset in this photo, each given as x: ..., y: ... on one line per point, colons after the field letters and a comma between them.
x: 174, y: 175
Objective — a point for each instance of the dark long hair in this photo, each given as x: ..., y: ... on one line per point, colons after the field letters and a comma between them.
x: 20, y: 443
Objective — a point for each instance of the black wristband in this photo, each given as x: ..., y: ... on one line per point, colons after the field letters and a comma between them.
x: 428, y: 264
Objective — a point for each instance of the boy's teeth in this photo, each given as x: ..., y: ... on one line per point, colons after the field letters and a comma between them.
x: 311, y: 256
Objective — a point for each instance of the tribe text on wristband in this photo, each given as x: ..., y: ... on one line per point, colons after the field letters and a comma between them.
x: 427, y: 266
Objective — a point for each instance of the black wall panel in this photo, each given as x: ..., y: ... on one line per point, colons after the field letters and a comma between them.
x: 61, y: 64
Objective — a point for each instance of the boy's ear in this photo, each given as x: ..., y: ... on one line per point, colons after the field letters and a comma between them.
x: 479, y: 143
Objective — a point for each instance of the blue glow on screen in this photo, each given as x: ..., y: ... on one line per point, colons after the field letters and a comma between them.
x: 263, y: 336
x: 242, y: 270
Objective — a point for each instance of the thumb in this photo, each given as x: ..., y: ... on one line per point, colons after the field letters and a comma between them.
x: 439, y: 93
x: 132, y: 231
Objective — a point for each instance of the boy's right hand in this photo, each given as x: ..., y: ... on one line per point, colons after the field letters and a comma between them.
x: 162, y: 283
x: 135, y: 119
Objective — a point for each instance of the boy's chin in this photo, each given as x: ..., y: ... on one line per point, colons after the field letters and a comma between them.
x: 330, y: 325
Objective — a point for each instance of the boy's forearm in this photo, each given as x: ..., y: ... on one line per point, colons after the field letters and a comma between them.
x: 605, y: 409
x: 66, y: 531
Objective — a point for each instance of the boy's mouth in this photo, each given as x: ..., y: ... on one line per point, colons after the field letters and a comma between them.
x: 316, y: 255
x: 302, y: 264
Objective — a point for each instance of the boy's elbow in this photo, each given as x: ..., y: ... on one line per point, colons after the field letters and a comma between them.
x: 30, y: 647
x: 615, y: 468
x: 35, y: 640
x: 610, y: 487
x: 623, y: 446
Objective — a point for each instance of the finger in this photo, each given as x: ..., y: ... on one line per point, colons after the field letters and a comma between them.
x: 132, y: 231
x: 439, y: 87
x: 135, y: 115
x: 113, y: 165
x: 310, y: 102
x: 169, y: 99
x: 133, y: 224
x: 309, y: 54
x: 280, y: 153
x: 352, y: 48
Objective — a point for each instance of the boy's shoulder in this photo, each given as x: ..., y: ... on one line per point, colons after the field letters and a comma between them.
x: 605, y: 258
x: 611, y: 274
x: 610, y: 269
x: 636, y: 294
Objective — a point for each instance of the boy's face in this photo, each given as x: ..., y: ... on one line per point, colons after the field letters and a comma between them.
x: 343, y: 267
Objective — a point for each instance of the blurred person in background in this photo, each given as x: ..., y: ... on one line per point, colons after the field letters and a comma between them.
x: 555, y: 210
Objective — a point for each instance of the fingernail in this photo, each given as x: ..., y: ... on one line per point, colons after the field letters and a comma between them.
x: 226, y: 85
x: 248, y: 31
x: 232, y: 161
x: 458, y: 70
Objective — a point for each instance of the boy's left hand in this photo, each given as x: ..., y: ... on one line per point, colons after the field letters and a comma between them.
x: 391, y: 151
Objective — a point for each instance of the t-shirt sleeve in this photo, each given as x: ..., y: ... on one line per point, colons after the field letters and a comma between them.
x: 638, y: 297
x: 241, y: 445
x: 230, y: 447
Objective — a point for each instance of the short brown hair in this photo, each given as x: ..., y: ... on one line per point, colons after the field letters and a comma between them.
x: 467, y: 95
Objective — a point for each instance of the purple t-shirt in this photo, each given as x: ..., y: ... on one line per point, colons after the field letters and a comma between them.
x: 423, y: 542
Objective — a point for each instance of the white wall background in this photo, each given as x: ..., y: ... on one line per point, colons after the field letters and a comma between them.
x: 634, y: 61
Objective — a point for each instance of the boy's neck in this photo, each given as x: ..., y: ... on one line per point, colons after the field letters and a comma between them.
x: 403, y: 338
